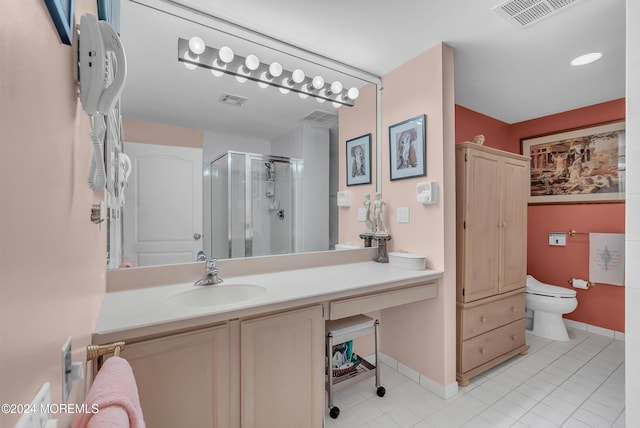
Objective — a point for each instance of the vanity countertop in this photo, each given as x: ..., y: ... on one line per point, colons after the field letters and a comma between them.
x: 145, y: 312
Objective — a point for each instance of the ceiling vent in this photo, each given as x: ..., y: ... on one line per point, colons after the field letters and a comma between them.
x: 233, y: 100
x: 319, y: 117
x: 524, y: 13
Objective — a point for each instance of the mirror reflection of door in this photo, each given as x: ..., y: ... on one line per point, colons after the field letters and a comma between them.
x: 162, y: 217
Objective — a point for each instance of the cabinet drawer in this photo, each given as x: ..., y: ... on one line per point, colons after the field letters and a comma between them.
x: 490, y: 345
x: 483, y: 318
x: 386, y: 299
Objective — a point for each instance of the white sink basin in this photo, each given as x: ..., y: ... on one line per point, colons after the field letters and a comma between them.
x: 215, y: 295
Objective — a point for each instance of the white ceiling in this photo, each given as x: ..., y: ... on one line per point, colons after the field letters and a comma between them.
x: 504, y: 72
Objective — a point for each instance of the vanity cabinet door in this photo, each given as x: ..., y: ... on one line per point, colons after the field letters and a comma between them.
x: 183, y: 380
x: 282, y: 370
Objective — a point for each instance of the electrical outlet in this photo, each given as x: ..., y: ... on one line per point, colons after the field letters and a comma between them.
x: 37, y: 415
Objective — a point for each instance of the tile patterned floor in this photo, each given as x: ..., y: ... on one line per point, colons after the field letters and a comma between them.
x: 575, y: 384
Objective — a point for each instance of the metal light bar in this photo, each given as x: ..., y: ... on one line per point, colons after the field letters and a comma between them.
x: 207, y: 59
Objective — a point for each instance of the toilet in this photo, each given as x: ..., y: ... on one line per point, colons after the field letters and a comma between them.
x: 549, y: 303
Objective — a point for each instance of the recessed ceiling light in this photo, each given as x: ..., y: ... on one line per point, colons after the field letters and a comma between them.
x: 586, y: 59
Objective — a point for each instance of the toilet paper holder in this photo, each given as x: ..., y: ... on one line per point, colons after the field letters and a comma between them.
x: 589, y: 283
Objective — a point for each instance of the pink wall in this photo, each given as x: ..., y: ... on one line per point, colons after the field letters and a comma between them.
x: 602, y: 306
x: 355, y: 122
x: 52, y: 258
x: 470, y: 123
x: 140, y: 131
x: 420, y: 335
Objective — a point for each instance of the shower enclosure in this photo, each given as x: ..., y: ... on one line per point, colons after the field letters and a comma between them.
x: 255, y: 205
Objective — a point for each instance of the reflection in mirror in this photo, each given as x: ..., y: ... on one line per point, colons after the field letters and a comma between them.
x: 186, y: 129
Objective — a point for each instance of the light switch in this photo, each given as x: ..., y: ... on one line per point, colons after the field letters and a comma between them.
x: 362, y: 214
x: 403, y: 215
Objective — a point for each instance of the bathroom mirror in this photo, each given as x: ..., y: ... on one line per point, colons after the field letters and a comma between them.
x: 251, y: 127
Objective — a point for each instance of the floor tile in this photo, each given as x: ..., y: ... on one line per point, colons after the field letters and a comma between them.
x: 573, y: 384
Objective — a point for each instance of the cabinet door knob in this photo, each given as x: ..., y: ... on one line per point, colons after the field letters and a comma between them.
x: 482, y: 350
x: 483, y: 319
x: 514, y: 337
x: 513, y: 309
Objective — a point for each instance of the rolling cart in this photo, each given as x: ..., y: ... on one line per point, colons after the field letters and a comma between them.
x: 342, y: 331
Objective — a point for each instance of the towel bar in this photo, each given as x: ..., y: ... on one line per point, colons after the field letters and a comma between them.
x: 97, y: 352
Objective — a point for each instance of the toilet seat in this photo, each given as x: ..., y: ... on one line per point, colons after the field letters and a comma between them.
x: 541, y: 289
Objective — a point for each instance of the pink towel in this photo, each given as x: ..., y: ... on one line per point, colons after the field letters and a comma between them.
x: 114, y: 394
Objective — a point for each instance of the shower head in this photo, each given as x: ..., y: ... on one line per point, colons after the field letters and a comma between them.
x: 270, y: 170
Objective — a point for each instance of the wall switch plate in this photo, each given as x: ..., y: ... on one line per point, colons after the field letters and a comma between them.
x: 362, y: 214
x: 344, y: 198
x: 403, y: 215
x: 66, y: 370
x: 37, y: 416
x: 558, y: 239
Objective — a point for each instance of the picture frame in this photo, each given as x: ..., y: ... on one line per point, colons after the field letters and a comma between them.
x: 583, y: 165
x: 62, y: 13
x: 109, y: 10
x: 359, y: 160
x: 408, y: 148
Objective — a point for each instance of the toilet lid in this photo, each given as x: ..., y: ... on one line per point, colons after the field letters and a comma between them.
x: 537, y: 287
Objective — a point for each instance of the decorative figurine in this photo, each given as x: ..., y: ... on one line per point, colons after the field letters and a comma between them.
x: 381, y: 229
x: 479, y: 139
x: 367, y: 204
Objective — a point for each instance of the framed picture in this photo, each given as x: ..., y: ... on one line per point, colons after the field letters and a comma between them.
x: 585, y: 165
x: 407, y: 148
x: 109, y: 10
x: 62, y: 13
x: 359, y: 160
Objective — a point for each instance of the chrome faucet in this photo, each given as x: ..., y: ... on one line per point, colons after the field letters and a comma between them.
x: 211, y: 275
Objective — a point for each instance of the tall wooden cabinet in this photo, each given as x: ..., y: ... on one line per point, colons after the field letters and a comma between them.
x: 491, y: 218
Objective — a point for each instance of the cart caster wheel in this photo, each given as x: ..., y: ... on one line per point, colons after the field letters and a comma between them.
x: 334, y: 412
x: 381, y: 391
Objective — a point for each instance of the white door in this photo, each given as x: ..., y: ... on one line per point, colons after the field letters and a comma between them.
x: 163, y: 204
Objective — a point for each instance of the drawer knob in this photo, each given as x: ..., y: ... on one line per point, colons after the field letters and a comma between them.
x: 482, y: 350
x: 513, y: 309
x: 483, y: 319
x: 514, y: 337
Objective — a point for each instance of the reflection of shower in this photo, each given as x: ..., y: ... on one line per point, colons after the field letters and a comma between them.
x: 274, y: 203
x: 255, y: 205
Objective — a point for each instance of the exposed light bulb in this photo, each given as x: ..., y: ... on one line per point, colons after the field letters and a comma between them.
x: 196, y: 45
x: 353, y: 93
x: 275, y: 69
x: 336, y: 104
x: 297, y: 76
x: 252, y: 62
x: 225, y: 54
x: 190, y: 57
x: 336, y: 87
x: 586, y: 59
x: 317, y: 82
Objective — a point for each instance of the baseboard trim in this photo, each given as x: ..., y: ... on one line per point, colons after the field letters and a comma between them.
x: 618, y: 335
x: 442, y: 391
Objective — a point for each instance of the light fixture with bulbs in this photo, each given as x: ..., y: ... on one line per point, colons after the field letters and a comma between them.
x: 193, y: 53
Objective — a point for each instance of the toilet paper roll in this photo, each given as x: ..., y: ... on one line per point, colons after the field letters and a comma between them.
x: 579, y: 283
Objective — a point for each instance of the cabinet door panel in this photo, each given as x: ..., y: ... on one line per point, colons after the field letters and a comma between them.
x: 183, y: 380
x: 482, y: 226
x: 282, y: 370
x: 516, y: 179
